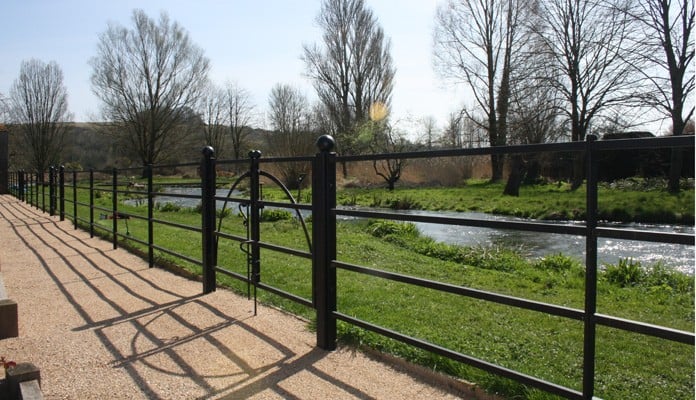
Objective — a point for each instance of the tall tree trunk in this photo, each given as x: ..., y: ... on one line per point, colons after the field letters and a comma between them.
x: 344, y: 169
x: 533, y: 170
x: 675, y: 167
x: 497, y: 163
x: 503, y: 105
x: 578, y: 135
x: 578, y: 171
x: 517, y: 167
x: 677, y: 158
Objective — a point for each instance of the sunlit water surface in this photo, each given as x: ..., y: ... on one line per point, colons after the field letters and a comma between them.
x: 531, y: 244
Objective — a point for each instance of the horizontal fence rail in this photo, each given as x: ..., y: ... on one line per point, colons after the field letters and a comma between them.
x: 81, y: 189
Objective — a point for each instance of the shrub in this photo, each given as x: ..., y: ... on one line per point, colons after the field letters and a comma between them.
x: 275, y: 215
x: 404, y: 203
x: 660, y: 276
x: 557, y: 262
x: 383, y: 229
x: 349, y: 200
x: 407, y: 235
x: 627, y: 272
x: 220, y: 213
x: 170, y: 207
x: 493, y: 258
x: 631, y: 273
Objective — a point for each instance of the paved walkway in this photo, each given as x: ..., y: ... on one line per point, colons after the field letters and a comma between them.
x: 100, y: 324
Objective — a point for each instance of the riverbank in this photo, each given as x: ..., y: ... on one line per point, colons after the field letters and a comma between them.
x: 622, y: 201
x: 555, y: 202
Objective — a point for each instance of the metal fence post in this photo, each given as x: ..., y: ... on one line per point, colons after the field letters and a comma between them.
x: 21, y: 185
x: 51, y: 190
x: 255, y: 196
x: 35, y: 190
x: 42, y: 180
x: 114, y: 205
x: 91, y: 203
x: 61, y: 192
x: 208, y: 218
x: 150, y: 218
x: 324, y: 241
x: 590, y: 324
x: 54, y: 185
x: 74, y: 192
x: 31, y: 188
x: 38, y: 189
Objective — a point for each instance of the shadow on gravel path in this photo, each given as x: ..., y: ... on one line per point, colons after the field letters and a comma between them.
x: 101, y: 324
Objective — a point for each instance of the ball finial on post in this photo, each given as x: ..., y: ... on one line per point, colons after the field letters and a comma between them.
x: 208, y: 151
x: 326, y: 143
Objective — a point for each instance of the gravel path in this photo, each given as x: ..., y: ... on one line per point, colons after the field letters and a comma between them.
x: 100, y: 324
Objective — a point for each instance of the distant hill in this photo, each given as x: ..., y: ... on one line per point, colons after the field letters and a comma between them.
x: 93, y: 145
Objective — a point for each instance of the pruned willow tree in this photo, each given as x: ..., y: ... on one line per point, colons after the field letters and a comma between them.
x: 476, y: 43
x: 149, y: 77
x: 351, y: 70
x: 383, y: 138
x: 38, y: 107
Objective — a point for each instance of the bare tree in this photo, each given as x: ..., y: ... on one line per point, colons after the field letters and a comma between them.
x: 227, y: 113
x: 475, y: 44
x: 352, y: 69
x: 288, y: 112
x: 214, y: 115
x: 429, y: 125
x: 290, y: 118
x: 148, y: 78
x: 668, y: 48
x: 322, y: 120
x: 586, y: 43
x: 534, y: 115
x: 534, y: 118
x: 452, y: 132
x: 240, y: 112
x: 4, y: 109
x: 39, y: 108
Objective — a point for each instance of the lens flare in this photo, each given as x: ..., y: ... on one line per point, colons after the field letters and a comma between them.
x: 378, y: 111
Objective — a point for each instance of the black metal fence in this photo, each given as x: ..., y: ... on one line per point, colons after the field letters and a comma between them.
x: 63, y: 187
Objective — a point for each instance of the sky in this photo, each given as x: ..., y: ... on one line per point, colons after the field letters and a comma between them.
x: 253, y: 43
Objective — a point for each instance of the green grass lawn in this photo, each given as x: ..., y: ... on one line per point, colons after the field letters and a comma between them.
x: 547, y: 201
x: 543, y: 346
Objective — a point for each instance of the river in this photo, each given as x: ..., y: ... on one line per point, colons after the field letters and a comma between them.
x: 535, y: 244
x: 531, y: 244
